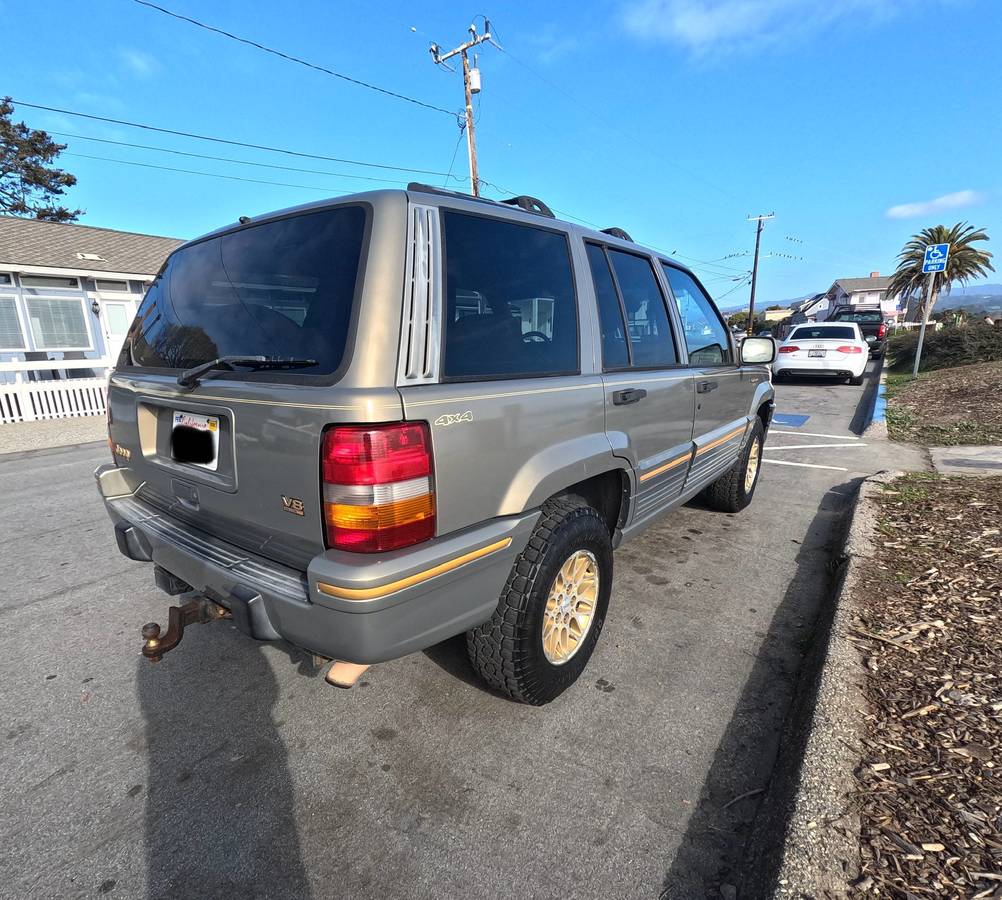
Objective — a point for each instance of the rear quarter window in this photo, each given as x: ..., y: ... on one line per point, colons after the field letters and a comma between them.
x: 511, y: 308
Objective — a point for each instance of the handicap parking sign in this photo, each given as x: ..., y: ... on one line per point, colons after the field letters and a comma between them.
x: 935, y: 257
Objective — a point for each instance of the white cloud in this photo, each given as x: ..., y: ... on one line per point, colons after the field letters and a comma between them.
x: 938, y: 205
x: 705, y: 26
x: 139, y: 63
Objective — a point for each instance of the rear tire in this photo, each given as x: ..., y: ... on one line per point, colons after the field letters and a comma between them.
x: 508, y: 650
x: 856, y: 380
x: 734, y: 490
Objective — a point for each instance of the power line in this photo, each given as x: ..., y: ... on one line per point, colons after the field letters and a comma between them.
x: 227, y: 159
x: 127, y: 162
x: 295, y: 59
x: 232, y: 143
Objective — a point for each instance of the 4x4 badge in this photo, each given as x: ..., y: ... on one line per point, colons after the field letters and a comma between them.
x: 293, y: 505
x: 454, y: 418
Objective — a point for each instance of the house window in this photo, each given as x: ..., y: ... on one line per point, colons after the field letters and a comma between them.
x: 6, y: 278
x: 58, y: 324
x: 104, y: 284
x: 11, y: 337
x: 50, y: 281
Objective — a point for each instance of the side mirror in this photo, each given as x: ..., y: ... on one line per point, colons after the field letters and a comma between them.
x: 758, y: 351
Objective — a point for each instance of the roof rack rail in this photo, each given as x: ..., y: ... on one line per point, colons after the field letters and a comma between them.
x: 431, y: 189
x: 530, y: 204
x: 618, y: 233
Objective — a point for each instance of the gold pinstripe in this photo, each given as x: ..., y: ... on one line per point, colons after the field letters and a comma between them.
x: 721, y: 440
x: 668, y: 465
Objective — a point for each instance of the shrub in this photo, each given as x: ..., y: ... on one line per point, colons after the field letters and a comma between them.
x: 947, y: 347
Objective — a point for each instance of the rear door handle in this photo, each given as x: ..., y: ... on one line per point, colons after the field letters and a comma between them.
x: 704, y: 387
x: 630, y: 395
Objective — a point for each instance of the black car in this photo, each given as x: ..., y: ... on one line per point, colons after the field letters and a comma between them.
x: 871, y: 323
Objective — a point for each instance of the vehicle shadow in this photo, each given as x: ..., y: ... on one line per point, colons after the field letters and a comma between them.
x: 220, y: 817
x: 712, y: 850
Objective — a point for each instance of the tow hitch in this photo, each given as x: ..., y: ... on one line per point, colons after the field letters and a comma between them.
x: 194, y: 612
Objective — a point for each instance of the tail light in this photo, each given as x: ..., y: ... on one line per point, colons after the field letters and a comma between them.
x: 377, y: 483
x: 850, y: 348
x: 881, y: 331
x: 111, y: 443
x: 788, y: 348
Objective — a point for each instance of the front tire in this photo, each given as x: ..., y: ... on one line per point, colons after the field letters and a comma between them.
x: 734, y: 490
x: 552, y: 608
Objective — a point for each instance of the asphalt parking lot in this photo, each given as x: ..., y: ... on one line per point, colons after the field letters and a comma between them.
x: 232, y: 769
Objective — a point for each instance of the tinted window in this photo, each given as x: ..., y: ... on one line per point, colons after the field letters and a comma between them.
x: 614, y: 352
x: 705, y: 335
x: 280, y: 289
x: 823, y: 333
x: 510, y: 303
x: 872, y: 316
x: 646, y: 316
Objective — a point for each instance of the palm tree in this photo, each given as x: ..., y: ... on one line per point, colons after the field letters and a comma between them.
x: 965, y: 262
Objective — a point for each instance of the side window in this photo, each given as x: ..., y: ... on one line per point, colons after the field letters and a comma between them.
x: 651, y: 342
x: 614, y: 352
x: 705, y: 335
x: 511, y: 309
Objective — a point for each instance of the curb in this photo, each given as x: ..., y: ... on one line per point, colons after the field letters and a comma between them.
x: 818, y: 854
x: 878, y: 409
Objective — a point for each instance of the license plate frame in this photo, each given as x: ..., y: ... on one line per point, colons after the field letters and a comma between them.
x: 817, y: 354
x: 194, y: 440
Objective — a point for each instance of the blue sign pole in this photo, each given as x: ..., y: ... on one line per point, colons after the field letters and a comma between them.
x: 933, y: 262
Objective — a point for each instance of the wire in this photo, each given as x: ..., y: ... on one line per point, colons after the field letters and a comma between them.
x: 733, y: 289
x: 227, y: 159
x: 452, y: 162
x: 295, y: 59
x: 232, y: 143
x: 126, y: 162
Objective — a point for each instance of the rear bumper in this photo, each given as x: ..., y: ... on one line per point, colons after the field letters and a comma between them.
x: 821, y: 368
x: 363, y: 608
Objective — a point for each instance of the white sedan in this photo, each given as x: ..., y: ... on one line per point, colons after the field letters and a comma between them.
x: 832, y: 349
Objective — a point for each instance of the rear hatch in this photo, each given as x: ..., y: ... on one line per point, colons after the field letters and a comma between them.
x: 237, y: 453
x: 870, y: 322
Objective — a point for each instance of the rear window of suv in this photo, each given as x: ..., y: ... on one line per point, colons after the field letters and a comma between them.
x: 872, y: 317
x: 511, y: 309
x: 279, y: 289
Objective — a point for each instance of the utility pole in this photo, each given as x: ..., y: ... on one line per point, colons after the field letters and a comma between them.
x: 471, y: 86
x: 754, y: 271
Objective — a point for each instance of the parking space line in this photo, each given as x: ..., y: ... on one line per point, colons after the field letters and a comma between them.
x: 842, y: 437
x: 780, y: 462
x: 811, y: 446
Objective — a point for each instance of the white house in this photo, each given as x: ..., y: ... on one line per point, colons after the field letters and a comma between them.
x: 67, y: 296
x: 871, y: 291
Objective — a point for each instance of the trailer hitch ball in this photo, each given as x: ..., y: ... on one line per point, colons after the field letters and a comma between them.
x: 194, y: 612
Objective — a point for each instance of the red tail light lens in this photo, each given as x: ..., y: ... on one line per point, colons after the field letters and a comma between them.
x: 788, y: 348
x: 881, y: 331
x: 377, y: 486
x: 849, y: 348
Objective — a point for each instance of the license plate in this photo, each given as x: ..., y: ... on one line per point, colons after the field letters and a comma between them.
x: 819, y: 353
x: 195, y: 440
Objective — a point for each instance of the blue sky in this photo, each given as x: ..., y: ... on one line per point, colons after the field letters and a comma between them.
x: 857, y: 121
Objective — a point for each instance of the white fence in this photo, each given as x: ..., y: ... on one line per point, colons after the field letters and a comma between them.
x: 33, y: 401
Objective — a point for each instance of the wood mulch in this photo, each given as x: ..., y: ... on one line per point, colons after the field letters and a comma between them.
x: 947, y: 407
x: 928, y: 621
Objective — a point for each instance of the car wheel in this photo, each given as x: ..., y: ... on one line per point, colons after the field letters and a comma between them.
x: 856, y: 380
x: 734, y: 490
x: 552, y: 607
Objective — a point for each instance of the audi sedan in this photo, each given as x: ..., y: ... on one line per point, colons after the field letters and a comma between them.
x: 823, y: 349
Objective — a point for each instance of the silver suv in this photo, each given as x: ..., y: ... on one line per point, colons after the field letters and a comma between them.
x: 370, y: 424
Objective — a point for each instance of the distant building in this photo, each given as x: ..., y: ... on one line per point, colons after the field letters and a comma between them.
x: 775, y: 315
x: 871, y: 291
x: 67, y: 294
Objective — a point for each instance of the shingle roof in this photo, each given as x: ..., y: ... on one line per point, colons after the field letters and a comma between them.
x: 851, y: 285
x: 30, y: 242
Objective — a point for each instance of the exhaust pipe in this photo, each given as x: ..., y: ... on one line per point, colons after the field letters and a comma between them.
x: 345, y: 674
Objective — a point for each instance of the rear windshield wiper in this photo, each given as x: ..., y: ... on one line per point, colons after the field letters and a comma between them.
x: 190, y: 377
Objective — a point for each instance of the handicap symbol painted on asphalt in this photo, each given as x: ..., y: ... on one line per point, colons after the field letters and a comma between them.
x: 794, y: 421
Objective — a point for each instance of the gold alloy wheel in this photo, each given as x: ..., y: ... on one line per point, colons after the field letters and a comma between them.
x: 754, y: 459
x: 570, y: 608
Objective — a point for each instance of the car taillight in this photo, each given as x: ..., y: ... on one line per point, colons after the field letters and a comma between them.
x: 111, y: 443
x: 377, y: 484
x: 850, y: 348
x: 881, y: 331
x: 788, y: 348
